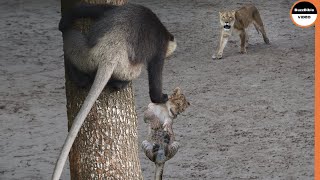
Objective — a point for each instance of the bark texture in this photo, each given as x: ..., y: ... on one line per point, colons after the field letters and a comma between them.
x: 107, y: 145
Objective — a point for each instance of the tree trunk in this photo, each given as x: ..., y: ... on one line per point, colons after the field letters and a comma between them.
x: 106, y: 146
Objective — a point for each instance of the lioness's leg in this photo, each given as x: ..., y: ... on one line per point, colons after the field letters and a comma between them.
x: 223, y: 42
x: 247, y: 40
x: 243, y: 39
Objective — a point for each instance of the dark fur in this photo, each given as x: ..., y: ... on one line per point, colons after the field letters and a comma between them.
x: 147, y: 36
x: 120, y: 41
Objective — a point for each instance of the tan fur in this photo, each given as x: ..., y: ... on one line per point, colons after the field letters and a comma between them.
x: 164, y: 113
x: 239, y: 20
x: 178, y: 101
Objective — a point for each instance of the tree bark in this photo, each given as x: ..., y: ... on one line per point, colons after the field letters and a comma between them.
x: 106, y: 146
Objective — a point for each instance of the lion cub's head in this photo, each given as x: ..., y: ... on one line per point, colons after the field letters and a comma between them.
x: 178, y: 102
x: 227, y: 19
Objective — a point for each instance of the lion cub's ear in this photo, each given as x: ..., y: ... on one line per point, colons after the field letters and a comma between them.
x: 220, y: 13
x: 177, y: 91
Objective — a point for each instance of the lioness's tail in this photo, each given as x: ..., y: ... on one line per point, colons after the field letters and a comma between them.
x: 255, y: 26
x: 258, y: 24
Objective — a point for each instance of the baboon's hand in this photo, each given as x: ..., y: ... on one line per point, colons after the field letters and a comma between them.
x: 162, y: 99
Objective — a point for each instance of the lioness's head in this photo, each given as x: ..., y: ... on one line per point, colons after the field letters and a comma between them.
x: 227, y: 19
x: 178, y: 102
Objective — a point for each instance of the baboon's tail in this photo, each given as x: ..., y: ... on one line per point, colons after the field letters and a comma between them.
x: 102, y: 77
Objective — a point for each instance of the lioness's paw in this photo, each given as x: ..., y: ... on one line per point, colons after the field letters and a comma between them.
x: 217, y: 56
x: 243, y: 51
x: 266, y: 40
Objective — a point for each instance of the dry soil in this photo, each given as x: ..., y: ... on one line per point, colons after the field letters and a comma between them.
x: 251, y: 115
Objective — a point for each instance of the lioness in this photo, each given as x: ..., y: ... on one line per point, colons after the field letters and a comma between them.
x: 236, y: 21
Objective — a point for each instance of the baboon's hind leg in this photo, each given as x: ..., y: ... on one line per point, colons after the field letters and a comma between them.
x: 81, y: 79
x: 117, y: 84
x: 257, y: 21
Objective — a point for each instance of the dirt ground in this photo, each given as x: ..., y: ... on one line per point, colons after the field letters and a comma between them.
x: 251, y: 115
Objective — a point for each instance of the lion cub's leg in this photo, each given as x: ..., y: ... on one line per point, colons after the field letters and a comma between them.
x: 223, y: 42
x: 243, y: 39
x: 257, y: 21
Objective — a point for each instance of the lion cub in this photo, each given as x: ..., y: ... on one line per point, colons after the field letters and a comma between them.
x: 236, y: 21
x: 161, y: 145
x: 161, y: 115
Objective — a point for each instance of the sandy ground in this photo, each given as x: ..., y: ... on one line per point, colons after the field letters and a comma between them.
x: 251, y: 115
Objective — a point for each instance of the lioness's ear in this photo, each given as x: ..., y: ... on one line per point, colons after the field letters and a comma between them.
x: 233, y: 12
x: 220, y: 13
